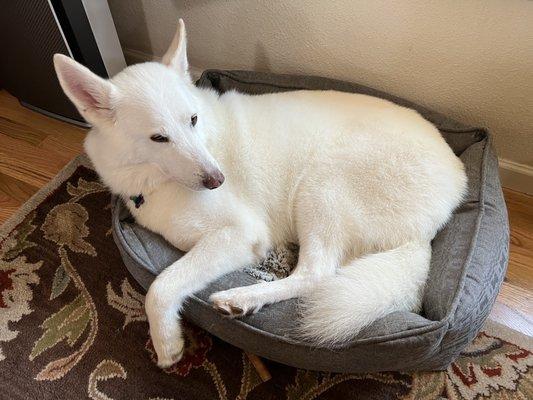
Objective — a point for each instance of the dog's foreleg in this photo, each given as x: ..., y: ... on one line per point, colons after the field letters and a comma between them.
x: 216, y: 254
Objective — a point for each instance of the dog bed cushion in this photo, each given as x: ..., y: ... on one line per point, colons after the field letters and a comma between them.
x: 467, y: 266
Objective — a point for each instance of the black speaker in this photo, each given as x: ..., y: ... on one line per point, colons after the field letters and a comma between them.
x: 32, y: 31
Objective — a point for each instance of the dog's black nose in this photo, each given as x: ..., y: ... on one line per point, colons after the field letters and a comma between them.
x: 213, y: 180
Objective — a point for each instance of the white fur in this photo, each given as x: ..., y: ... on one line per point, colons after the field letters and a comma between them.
x: 362, y: 184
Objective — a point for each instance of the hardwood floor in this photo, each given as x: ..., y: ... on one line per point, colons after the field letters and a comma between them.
x: 514, y: 305
x: 33, y: 148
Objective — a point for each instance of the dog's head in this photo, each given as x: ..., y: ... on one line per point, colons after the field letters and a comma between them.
x: 149, y: 122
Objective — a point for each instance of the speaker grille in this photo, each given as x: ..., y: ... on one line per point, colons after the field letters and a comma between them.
x: 30, y: 37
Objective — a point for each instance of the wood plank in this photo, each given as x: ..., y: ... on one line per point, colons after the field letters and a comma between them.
x: 13, y: 193
x: 28, y: 163
x: 65, y: 146
x: 518, y: 202
x: 520, y: 209
x: 11, y: 109
x: 517, y: 298
x: 8, y: 206
x: 520, y: 268
x: 16, y: 189
x: 16, y: 130
x: 511, y: 318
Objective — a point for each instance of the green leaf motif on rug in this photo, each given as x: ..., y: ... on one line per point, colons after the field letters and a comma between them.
x: 18, y: 241
x: 60, y: 283
x: 67, y: 324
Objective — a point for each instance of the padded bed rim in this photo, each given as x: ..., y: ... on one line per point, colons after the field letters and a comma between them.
x: 481, y: 213
x: 234, y: 75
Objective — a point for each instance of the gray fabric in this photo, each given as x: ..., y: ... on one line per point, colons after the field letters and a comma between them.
x: 467, y: 267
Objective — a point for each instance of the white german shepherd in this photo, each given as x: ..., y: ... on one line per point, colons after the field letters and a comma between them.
x: 363, y: 185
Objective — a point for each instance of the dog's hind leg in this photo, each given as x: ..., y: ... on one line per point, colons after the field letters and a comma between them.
x: 216, y: 254
x: 316, y: 261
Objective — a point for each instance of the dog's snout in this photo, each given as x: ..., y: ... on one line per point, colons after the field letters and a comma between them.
x: 213, y: 180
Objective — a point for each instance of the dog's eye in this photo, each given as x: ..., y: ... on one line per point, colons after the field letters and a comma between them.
x: 194, y: 118
x: 159, y: 138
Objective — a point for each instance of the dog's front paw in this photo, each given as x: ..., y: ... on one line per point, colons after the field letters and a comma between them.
x: 169, y: 353
x: 168, y: 342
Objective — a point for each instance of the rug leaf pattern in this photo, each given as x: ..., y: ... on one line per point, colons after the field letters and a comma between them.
x: 107, y: 369
x: 129, y: 302
x: 72, y: 325
x: 60, y: 283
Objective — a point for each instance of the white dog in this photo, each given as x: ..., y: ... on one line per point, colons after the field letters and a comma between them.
x: 363, y: 185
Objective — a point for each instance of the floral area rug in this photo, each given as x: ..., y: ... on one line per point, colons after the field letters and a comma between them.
x: 72, y: 326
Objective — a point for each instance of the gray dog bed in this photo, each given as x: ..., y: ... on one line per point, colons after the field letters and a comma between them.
x: 467, y: 266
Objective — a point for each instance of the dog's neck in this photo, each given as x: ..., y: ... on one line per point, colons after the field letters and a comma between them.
x: 137, y: 180
x: 134, y: 181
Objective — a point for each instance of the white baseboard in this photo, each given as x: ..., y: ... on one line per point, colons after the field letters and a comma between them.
x: 516, y: 176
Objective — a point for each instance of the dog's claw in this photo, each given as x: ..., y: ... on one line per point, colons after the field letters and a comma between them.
x: 236, y: 310
x: 233, y: 304
x: 228, y: 309
x: 221, y: 310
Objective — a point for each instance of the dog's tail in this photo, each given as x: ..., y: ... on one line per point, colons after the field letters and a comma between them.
x: 363, y: 291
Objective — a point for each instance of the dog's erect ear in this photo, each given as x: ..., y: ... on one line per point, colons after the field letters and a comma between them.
x: 176, y: 55
x: 92, y: 95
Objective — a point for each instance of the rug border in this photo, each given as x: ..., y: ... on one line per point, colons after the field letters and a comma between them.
x: 31, y: 204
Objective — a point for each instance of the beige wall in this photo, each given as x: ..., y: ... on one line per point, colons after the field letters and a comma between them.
x: 472, y: 60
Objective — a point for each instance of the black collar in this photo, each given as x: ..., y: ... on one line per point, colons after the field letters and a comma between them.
x: 138, y: 200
